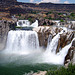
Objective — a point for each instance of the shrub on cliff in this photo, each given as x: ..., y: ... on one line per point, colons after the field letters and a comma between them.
x: 63, y: 71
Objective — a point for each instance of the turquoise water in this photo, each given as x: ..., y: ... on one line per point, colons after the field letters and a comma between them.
x: 12, y: 69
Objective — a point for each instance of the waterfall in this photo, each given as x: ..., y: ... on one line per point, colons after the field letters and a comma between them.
x: 50, y: 55
x: 22, y: 41
x: 22, y: 47
x: 35, y: 24
x: 52, y: 46
x: 49, y: 40
x: 64, y: 50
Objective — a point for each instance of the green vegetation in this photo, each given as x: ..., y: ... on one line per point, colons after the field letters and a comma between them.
x: 33, y: 12
x: 49, y: 18
x: 61, y: 20
x: 59, y: 13
x: 18, y: 27
x: 63, y: 71
x: 19, y: 15
x: 49, y: 13
x: 44, y: 23
x: 30, y: 19
x: 0, y: 18
x: 72, y: 14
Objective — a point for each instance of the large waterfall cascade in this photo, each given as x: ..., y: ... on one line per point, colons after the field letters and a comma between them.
x: 19, y: 40
x: 27, y: 43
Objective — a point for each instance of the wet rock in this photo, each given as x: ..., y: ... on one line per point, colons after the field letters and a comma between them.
x: 5, y: 26
x: 64, y: 40
x: 43, y: 35
x: 72, y: 26
x: 73, y: 44
x: 71, y: 54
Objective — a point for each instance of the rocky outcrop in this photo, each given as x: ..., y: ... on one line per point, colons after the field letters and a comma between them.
x: 72, y: 26
x: 45, y: 31
x: 43, y: 34
x: 5, y: 26
x: 71, y: 54
x: 46, y: 22
x: 65, y: 39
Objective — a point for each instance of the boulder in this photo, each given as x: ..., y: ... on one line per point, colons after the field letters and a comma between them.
x: 65, y: 39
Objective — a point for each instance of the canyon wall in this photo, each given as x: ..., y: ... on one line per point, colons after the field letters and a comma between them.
x: 5, y: 26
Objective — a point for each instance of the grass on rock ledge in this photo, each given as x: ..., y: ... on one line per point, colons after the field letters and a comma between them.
x: 63, y: 71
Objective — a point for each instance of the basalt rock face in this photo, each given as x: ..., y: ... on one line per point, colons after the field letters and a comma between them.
x: 46, y: 22
x: 72, y: 26
x: 5, y: 26
x: 45, y: 31
x: 43, y: 35
x: 64, y: 40
x: 70, y: 58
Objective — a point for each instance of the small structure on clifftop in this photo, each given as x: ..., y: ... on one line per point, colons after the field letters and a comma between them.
x: 25, y: 24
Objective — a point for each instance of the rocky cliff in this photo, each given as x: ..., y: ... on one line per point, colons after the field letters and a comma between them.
x: 5, y: 26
